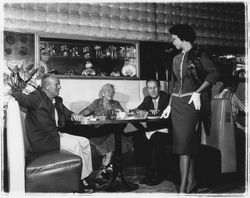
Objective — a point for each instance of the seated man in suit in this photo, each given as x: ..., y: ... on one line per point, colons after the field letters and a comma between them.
x: 149, y: 142
x: 44, y: 120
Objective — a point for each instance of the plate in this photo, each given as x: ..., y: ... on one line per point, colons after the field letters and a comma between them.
x: 154, y: 117
x: 129, y: 70
x: 131, y: 118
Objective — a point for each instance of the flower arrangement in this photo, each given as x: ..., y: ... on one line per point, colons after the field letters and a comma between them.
x: 20, y: 78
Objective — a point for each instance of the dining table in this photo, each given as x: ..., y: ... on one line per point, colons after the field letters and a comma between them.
x: 118, y: 182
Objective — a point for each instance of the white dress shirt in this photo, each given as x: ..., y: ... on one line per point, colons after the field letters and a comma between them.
x: 149, y: 133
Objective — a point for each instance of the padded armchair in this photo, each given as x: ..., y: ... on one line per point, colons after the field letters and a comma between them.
x: 55, y: 171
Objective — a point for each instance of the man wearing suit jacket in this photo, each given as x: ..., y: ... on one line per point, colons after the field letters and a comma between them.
x: 43, y: 120
x: 151, y: 139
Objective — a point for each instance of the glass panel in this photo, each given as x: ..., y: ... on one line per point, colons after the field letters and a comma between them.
x: 18, y: 49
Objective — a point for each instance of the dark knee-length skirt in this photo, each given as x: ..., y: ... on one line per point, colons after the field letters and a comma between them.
x: 184, y: 120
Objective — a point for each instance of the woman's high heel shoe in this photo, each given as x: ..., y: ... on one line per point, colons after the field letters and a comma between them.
x: 194, y: 189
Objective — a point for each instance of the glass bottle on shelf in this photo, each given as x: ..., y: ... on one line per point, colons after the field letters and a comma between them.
x: 97, y: 51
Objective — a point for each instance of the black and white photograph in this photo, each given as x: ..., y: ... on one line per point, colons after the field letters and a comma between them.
x: 124, y: 98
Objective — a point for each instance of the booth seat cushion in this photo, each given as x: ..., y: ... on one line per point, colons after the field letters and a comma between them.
x: 46, y: 172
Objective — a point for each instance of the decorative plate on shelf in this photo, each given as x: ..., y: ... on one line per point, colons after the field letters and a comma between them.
x: 129, y: 70
x: 10, y: 40
x: 89, y: 72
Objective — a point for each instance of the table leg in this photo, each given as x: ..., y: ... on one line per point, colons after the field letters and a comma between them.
x: 118, y: 183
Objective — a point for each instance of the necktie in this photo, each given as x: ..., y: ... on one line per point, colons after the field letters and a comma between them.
x: 155, y: 105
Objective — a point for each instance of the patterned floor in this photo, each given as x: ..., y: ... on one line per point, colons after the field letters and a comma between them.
x: 228, y: 186
x: 222, y: 184
x: 170, y: 187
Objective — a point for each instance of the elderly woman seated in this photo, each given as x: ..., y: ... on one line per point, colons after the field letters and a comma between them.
x: 104, y: 142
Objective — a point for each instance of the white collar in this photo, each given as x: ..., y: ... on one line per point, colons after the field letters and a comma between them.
x: 157, y: 99
x: 53, y: 101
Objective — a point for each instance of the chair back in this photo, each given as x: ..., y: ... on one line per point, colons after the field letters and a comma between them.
x: 15, y: 148
x: 27, y: 145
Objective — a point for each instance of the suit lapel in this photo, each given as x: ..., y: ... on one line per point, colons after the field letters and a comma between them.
x: 49, y: 105
x: 60, y: 112
x: 160, y: 102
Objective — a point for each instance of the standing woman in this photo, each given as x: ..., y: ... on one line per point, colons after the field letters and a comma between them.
x: 193, y: 74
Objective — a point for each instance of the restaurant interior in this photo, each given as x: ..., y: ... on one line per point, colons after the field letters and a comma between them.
x: 89, y: 44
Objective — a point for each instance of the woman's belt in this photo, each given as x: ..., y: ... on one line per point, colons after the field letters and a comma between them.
x: 181, y: 95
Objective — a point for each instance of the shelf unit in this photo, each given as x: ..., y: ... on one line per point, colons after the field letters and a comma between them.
x: 84, y: 58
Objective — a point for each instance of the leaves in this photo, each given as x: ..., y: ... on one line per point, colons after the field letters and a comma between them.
x: 19, y: 78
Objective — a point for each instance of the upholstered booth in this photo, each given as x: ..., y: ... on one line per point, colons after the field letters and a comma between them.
x: 222, y: 134
x: 56, y: 171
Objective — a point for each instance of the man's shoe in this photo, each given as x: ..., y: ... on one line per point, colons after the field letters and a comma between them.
x: 144, y: 180
x: 107, y: 171
x: 154, y: 181
x: 87, y: 188
x: 101, y: 184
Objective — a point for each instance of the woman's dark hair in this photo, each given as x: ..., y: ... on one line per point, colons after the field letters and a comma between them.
x: 184, y: 32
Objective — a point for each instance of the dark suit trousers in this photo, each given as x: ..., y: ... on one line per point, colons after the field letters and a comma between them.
x: 151, y: 153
